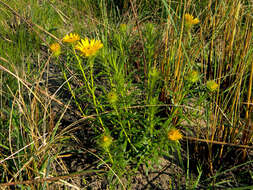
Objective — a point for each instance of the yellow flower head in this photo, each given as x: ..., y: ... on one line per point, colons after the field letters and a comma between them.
x: 106, y: 141
x: 190, y: 21
x: 174, y: 135
x: 88, y: 48
x: 56, y: 49
x: 71, y: 38
x: 212, y: 85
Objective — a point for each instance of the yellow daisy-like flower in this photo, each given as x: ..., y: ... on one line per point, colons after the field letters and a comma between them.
x: 89, y: 48
x: 190, y: 20
x: 71, y: 38
x: 212, y: 85
x: 174, y: 135
x: 56, y: 49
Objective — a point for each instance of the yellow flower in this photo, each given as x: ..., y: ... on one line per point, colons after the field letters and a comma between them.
x: 174, y: 135
x: 212, y: 85
x: 88, y: 48
x: 190, y: 21
x: 106, y: 141
x: 71, y: 38
x: 56, y: 49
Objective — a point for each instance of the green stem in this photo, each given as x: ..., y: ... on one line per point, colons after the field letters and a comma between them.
x: 91, y: 88
x: 110, y: 156
x: 91, y: 62
x: 128, y: 139
x: 72, y: 92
